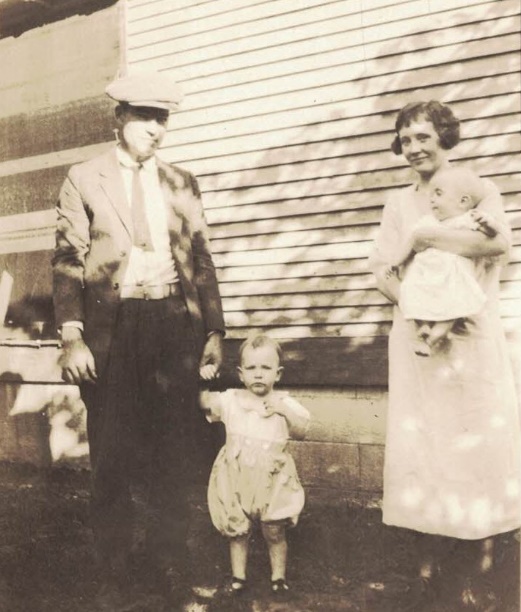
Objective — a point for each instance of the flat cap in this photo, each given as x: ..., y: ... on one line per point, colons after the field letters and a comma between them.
x: 155, y: 89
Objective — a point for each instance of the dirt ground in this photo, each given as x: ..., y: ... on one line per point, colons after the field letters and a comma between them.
x: 341, y: 558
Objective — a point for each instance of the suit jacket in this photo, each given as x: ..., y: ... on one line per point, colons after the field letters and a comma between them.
x: 94, y: 240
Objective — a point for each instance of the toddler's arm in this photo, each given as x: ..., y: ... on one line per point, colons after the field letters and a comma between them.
x: 297, y: 417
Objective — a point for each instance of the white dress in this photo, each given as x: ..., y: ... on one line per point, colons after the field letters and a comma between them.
x: 253, y: 476
x: 452, y: 456
x: 438, y: 285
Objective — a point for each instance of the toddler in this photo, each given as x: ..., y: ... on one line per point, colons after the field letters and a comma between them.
x: 440, y: 287
x: 254, y: 476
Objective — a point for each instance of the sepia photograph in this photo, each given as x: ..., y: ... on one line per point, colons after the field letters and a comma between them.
x: 221, y: 387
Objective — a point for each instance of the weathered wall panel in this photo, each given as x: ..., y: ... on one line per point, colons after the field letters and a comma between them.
x: 52, y: 113
x: 287, y: 123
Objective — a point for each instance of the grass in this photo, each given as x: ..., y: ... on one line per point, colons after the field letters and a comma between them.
x: 341, y: 558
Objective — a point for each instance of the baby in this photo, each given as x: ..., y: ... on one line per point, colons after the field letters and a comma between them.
x: 440, y: 287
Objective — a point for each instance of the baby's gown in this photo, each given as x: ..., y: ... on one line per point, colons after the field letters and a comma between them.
x: 253, y: 476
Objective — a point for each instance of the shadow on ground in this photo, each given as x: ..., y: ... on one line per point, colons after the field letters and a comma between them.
x: 341, y: 559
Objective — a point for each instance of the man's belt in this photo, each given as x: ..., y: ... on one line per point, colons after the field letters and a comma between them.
x: 152, y: 292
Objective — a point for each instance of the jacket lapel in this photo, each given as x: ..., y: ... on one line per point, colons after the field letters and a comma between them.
x: 111, y: 181
x: 173, y: 212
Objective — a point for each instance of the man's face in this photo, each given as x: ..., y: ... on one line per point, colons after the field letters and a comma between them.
x: 260, y: 369
x: 141, y: 130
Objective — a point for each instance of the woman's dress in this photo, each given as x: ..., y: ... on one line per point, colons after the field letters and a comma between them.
x: 452, y: 456
x: 441, y: 286
x: 253, y: 476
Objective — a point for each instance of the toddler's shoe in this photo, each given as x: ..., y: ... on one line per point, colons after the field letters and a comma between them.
x: 280, y: 588
x: 228, y: 597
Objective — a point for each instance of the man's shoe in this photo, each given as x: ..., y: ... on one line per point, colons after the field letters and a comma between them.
x: 175, y: 586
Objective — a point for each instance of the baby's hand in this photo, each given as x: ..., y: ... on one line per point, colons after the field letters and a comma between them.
x: 208, y: 371
x: 485, y: 222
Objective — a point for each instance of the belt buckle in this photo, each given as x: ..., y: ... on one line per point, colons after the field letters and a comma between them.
x: 146, y: 294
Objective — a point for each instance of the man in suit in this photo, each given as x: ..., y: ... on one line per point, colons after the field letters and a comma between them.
x: 137, y: 302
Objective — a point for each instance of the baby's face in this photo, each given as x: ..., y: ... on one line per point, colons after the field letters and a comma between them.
x: 260, y: 369
x: 446, y: 198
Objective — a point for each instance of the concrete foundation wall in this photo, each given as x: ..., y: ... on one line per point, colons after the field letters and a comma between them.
x: 342, y: 456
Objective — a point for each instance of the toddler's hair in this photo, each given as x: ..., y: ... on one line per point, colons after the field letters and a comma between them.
x: 257, y: 341
x: 467, y: 183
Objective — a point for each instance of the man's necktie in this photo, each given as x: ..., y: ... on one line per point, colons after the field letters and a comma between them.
x: 142, y: 238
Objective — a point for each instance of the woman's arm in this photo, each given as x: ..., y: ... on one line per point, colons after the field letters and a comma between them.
x: 468, y: 242
x: 465, y: 242
x: 384, y: 253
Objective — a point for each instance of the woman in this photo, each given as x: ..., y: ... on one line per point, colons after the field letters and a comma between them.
x: 452, y: 456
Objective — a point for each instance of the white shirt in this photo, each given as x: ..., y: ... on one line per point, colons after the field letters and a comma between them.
x: 157, y: 267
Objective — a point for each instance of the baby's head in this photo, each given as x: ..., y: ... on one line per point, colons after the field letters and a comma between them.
x: 260, y: 364
x: 454, y: 190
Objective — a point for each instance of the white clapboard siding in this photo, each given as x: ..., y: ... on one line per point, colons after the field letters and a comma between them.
x: 252, y: 33
x: 343, y: 160
x: 287, y: 123
x: 312, y: 53
x: 322, y: 148
x: 304, y: 129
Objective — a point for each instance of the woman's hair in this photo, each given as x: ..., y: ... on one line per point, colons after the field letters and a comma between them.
x: 257, y: 341
x: 440, y: 115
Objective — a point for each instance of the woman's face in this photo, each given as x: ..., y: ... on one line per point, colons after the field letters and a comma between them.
x: 421, y: 147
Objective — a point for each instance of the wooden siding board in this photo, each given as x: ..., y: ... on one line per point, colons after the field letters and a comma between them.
x: 314, y: 53
x: 335, y: 184
x: 291, y: 213
x: 227, y: 55
x: 333, y: 137
x: 291, y: 25
x: 364, y: 99
x: 347, y: 159
x: 406, y: 53
x: 235, y: 12
x: 492, y: 113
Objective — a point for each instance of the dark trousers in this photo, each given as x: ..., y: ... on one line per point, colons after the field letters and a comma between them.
x: 145, y: 431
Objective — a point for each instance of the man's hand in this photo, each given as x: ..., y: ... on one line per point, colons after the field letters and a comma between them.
x: 76, y: 361
x: 212, y: 358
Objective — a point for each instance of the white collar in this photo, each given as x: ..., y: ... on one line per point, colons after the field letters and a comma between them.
x: 126, y: 160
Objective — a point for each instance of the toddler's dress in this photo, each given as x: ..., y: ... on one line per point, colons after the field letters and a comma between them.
x: 438, y: 285
x: 253, y: 476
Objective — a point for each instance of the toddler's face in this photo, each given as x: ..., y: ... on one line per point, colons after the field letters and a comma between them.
x: 260, y: 369
x: 446, y: 198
